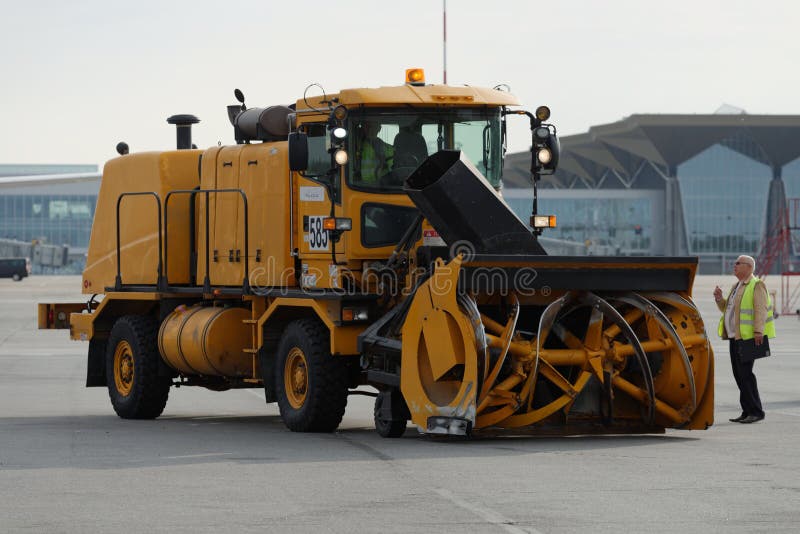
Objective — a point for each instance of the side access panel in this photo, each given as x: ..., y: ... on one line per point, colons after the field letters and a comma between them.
x: 265, y: 180
x: 227, y: 269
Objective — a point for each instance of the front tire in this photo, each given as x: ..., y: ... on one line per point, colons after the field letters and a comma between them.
x: 394, y: 425
x: 16, y: 277
x: 132, y: 360
x: 310, y: 383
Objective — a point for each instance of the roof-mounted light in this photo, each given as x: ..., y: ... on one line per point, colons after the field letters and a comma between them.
x: 542, y: 113
x: 340, y: 112
x: 415, y: 76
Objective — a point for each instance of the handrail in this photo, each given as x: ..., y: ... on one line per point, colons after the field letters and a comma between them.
x: 205, y: 192
x: 118, y: 279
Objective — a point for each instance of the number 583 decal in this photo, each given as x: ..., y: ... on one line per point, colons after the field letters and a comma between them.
x: 316, y: 237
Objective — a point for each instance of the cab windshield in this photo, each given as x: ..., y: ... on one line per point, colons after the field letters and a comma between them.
x: 387, y: 146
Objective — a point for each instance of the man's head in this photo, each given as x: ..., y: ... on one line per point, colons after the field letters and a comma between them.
x: 370, y: 129
x: 744, y: 267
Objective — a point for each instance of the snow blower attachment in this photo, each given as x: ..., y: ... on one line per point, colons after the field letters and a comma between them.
x: 539, y: 343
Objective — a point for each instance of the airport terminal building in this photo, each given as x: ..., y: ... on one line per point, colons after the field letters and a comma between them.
x: 712, y: 186
x: 58, y: 211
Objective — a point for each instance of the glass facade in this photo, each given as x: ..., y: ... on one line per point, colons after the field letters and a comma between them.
x: 53, y: 214
x: 55, y: 219
x: 724, y: 200
x: 791, y: 184
x: 606, y: 224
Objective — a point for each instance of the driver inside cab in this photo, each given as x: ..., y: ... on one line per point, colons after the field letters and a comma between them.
x: 375, y: 157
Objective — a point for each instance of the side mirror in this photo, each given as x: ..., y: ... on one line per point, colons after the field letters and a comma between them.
x: 298, y: 151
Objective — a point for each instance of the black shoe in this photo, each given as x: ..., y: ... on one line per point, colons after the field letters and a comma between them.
x: 752, y: 419
x: 738, y: 419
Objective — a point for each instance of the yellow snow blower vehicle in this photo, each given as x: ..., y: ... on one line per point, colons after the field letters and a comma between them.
x: 360, y: 238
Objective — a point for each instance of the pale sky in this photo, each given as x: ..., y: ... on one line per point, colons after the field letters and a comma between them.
x: 79, y: 76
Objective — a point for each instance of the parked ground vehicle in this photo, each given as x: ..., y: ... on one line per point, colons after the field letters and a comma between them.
x: 15, y: 268
x: 311, y: 258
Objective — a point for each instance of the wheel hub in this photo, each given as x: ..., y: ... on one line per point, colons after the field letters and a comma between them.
x: 296, y: 378
x: 123, y: 368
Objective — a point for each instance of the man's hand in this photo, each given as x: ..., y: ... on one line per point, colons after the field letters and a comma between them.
x: 759, y: 338
x: 717, y: 294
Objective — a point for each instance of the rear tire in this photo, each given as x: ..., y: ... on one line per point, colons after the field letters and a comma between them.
x: 132, y: 360
x: 16, y: 277
x: 310, y: 383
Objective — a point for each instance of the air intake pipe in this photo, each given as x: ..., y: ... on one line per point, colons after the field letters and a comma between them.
x: 183, y: 126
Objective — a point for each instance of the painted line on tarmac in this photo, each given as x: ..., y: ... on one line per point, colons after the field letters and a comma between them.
x: 205, y: 455
x: 793, y: 414
x: 489, y: 516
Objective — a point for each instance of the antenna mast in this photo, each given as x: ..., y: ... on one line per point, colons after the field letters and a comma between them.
x: 444, y: 40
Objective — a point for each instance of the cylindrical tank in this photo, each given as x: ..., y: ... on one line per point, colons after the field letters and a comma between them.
x: 265, y: 124
x: 210, y: 341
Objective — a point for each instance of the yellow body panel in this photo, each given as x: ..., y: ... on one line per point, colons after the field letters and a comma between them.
x: 159, y: 172
x: 344, y: 339
x: 266, y: 184
x: 430, y: 95
x: 313, y: 203
x: 353, y: 200
x: 81, y: 326
x: 261, y: 172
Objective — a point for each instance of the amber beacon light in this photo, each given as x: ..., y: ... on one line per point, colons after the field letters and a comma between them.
x: 415, y: 76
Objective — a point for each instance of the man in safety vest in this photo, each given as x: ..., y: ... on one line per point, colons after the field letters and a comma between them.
x: 747, y: 314
x: 374, y: 157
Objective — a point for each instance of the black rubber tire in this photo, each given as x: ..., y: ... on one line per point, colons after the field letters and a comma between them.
x: 326, y: 391
x: 16, y: 277
x: 387, y: 429
x: 149, y: 391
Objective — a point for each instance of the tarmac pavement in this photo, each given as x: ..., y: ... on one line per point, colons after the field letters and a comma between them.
x: 224, y: 461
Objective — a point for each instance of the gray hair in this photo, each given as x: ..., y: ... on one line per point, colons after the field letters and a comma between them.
x: 750, y: 260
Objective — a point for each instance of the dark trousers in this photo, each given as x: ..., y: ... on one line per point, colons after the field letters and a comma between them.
x: 746, y: 381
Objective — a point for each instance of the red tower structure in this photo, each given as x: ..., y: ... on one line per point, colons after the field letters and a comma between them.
x: 778, y: 248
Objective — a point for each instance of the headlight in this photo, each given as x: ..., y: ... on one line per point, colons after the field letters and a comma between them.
x: 342, y: 224
x: 542, y: 133
x: 355, y: 314
x: 543, y: 221
x: 544, y: 155
x: 339, y: 133
x: 340, y: 157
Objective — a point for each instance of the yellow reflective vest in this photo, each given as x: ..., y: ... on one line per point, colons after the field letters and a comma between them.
x: 375, y: 160
x: 747, y: 315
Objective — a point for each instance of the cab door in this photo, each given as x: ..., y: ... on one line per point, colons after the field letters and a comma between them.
x: 312, y: 191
